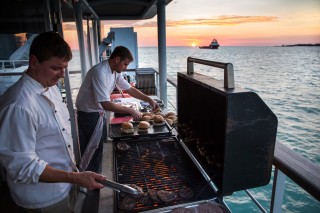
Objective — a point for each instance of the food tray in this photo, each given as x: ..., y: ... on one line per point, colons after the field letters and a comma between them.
x: 153, y: 131
x: 134, y: 105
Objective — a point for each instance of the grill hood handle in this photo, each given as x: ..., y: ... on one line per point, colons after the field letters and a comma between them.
x: 118, y: 186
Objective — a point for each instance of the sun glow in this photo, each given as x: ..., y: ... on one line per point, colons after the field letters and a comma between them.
x: 193, y: 44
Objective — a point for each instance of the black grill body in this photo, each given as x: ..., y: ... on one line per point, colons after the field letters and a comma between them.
x: 159, y: 164
x: 231, y: 132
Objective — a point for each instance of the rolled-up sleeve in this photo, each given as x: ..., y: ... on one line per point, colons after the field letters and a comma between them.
x: 17, y: 145
x: 122, y: 83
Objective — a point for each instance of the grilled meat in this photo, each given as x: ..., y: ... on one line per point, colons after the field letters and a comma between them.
x: 181, y: 210
x: 128, y: 203
x: 167, y: 196
x: 123, y: 146
x: 210, y: 207
x: 139, y: 189
x: 153, y: 194
x: 145, y: 200
x: 186, y: 192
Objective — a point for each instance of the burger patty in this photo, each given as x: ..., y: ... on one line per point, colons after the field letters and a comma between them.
x: 145, y: 200
x: 181, y: 210
x: 153, y: 195
x: 167, y: 196
x: 186, y: 192
x: 128, y: 203
x: 210, y: 207
x: 139, y: 189
x: 123, y: 146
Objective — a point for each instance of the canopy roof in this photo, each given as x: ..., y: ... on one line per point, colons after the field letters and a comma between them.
x: 28, y: 15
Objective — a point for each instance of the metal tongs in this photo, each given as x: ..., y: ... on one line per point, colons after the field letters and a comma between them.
x: 118, y: 187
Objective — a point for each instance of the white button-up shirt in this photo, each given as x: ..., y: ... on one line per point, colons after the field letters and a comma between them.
x: 35, y: 131
x: 98, y: 86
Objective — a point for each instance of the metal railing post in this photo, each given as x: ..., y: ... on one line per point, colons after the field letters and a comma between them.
x: 229, y: 76
x: 279, y: 182
x: 190, y: 68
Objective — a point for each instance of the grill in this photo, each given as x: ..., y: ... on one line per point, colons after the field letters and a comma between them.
x: 230, y: 131
x: 224, y: 143
x: 159, y: 164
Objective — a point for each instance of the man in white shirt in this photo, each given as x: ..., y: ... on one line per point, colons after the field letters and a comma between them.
x: 36, y: 147
x: 94, y: 99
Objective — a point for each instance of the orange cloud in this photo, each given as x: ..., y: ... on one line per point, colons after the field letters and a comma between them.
x: 218, y: 21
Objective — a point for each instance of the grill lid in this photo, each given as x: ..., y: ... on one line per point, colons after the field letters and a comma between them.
x: 232, y: 132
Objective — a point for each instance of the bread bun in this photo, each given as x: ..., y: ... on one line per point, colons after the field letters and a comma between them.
x: 158, y: 119
x: 127, y: 127
x: 173, y: 117
x: 170, y: 121
x: 157, y: 110
x: 143, y: 126
x: 169, y: 114
x: 159, y: 113
x: 146, y: 118
x: 149, y: 114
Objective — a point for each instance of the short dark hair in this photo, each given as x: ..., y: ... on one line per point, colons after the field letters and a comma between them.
x: 122, y: 52
x: 50, y: 44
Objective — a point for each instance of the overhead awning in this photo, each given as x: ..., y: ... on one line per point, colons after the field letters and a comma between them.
x: 28, y: 15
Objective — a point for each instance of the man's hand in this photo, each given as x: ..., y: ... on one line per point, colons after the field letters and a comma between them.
x: 88, y: 179
x: 155, y: 106
x: 136, y: 115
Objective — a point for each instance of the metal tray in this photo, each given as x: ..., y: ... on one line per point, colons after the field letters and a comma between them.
x: 153, y: 131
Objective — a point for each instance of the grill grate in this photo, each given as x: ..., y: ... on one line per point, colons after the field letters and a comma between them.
x: 159, y: 164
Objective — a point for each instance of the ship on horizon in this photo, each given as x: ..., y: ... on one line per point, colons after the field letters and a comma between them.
x: 213, y: 45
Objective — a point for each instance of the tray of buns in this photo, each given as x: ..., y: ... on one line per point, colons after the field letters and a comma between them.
x: 138, y: 129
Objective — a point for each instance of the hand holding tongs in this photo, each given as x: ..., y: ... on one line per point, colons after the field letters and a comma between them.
x: 118, y: 186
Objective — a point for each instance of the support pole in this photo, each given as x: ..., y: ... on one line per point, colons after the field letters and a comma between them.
x: 74, y: 129
x: 162, y: 51
x: 79, y: 26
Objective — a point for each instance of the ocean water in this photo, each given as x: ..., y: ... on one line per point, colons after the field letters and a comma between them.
x: 286, y: 78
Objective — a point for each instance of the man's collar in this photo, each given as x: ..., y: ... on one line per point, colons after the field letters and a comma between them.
x: 36, y: 86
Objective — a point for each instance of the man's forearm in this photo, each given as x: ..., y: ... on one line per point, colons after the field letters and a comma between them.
x: 52, y: 175
x: 109, y: 106
x: 139, y: 95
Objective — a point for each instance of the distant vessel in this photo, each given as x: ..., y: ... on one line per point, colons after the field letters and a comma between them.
x: 214, y: 45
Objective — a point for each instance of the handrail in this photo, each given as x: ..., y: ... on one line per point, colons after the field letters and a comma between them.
x: 298, y: 168
x: 228, y: 69
x: 12, y: 64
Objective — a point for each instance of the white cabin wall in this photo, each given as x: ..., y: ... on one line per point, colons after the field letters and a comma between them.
x: 126, y: 37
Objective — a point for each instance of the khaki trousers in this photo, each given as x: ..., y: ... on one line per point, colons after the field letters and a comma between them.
x: 66, y: 205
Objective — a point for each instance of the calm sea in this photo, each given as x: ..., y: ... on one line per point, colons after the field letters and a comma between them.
x: 286, y: 78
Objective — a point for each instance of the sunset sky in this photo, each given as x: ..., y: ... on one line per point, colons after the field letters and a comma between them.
x: 232, y: 23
